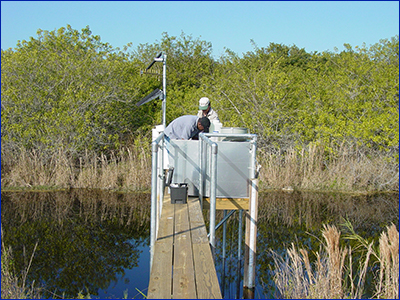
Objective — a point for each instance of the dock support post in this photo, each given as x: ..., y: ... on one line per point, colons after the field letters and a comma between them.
x: 251, y: 241
x: 239, y: 254
x: 251, y: 231
x: 223, y: 255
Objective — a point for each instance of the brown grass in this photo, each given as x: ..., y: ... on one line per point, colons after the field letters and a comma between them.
x: 388, y: 285
x: 130, y: 169
x: 297, y: 278
x: 312, y: 169
x: 127, y: 169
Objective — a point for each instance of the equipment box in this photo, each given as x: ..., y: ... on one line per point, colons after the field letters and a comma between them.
x: 179, y: 193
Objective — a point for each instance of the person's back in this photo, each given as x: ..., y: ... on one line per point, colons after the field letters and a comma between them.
x: 186, y: 127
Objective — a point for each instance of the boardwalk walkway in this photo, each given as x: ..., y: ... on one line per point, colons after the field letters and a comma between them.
x: 183, y: 267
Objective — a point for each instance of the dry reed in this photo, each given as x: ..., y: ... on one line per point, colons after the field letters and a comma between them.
x: 129, y: 168
x: 296, y: 278
x: 13, y: 287
x: 388, y: 286
x: 312, y: 169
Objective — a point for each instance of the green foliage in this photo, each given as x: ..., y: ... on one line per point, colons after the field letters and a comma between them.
x: 290, y: 97
x: 68, y: 89
x: 189, y: 63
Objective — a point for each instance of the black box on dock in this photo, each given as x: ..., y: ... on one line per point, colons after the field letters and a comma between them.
x: 179, y: 193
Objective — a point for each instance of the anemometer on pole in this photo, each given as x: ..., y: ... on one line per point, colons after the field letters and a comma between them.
x: 157, y: 93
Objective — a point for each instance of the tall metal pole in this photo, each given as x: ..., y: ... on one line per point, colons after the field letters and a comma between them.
x: 153, y: 220
x: 164, y: 103
x: 164, y: 106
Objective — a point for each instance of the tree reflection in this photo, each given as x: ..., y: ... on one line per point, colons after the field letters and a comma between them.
x: 298, y: 218
x: 85, y: 239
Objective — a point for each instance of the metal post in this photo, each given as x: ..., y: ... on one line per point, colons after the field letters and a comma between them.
x: 161, y: 176
x: 153, y: 224
x: 239, y: 258
x: 164, y: 102
x: 251, y: 227
x: 201, y: 174
x: 223, y: 255
x: 213, y: 194
x: 158, y: 187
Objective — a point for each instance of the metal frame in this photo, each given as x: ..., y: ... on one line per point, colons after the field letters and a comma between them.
x: 206, y: 144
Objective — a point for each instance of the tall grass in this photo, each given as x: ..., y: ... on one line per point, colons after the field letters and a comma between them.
x: 129, y: 168
x: 349, y: 169
x: 12, y: 285
x: 332, y: 276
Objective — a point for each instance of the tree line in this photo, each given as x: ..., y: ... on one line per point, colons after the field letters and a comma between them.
x: 68, y: 89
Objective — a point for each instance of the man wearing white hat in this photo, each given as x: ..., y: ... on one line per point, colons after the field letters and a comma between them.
x: 205, y: 110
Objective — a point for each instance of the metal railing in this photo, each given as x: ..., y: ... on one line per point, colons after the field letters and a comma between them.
x: 205, y: 144
x: 157, y: 189
x: 205, y: 139
x: 213, y: 182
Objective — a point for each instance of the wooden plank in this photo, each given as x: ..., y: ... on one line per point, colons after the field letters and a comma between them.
x: 166, y: 227
x: 206, y: 276
x: 183, y: 266
x: 161, y: 272
x: 228, y: 203
x: 183, y: 286
x: 198, y: 227
x: 196, y: 214
x: 160, y: 284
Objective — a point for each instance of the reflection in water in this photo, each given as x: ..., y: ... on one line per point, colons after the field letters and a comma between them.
x: 297, y: 218
x: 86, y: 240
x: 97, y: 242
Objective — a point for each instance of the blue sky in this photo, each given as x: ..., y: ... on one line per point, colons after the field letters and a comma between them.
x: 313, y: 25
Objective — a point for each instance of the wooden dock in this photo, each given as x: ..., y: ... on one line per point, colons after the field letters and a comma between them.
x: 183, y: 266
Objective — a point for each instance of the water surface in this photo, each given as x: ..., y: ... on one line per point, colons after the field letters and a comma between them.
x: 97, y: 242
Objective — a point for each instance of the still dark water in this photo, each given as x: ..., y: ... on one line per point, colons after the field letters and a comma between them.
x: 97, y: 242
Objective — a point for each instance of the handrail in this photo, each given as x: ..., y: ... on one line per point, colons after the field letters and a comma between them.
x: 241, y: 135
x: 157, y: 192
x: 154, y: 185
x: 213, y: 185
x: 204, y: 137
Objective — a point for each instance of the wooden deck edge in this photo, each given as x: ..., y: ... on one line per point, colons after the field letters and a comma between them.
x: 228, y: 203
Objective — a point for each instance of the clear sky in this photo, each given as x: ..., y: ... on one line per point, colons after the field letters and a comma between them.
x: 313, y: 25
